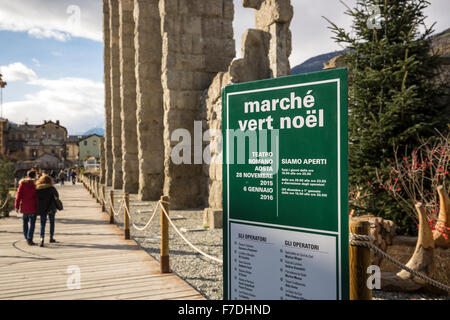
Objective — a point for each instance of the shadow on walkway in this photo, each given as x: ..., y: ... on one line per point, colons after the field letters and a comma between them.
x: 98, y: 246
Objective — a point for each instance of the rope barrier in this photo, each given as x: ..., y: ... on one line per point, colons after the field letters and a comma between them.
x: 188, y: 242
x: 102, y: 198
x: 149, y: 221
x: 364, y: 241
x: 111, y: 205
x: 159, y: 203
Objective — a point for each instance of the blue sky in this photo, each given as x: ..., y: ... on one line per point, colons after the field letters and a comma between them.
x: 52, y: 53
x: 49, y: 58
x: 52, y: 63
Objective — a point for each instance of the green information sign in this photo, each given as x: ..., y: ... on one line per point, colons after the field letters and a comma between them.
x: 285, y: 188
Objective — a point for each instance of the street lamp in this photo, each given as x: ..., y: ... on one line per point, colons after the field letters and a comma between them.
x: 2, y: 85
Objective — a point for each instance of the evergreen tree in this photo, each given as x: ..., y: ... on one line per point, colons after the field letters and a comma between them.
x: 6, y: 176
x: 394, y: 95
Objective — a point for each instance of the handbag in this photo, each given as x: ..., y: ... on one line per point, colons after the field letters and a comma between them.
x: 58, y: 204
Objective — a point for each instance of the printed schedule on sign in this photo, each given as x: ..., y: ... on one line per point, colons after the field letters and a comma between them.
x: 301, y: 264
x: 285, y: 187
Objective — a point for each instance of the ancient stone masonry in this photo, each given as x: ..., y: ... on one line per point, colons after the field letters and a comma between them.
x: 166, y: 79
x: 274, y: 17
x: 197, y: 43
x: 265, y: 54
x: 150, y: 125
x: 130, y: 163
x: 108, y: 161
x: 116, y: 122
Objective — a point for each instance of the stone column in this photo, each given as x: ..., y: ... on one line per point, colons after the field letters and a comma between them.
x: 116, y: 123
x: 197, y: 44
x: 130, y: 165
x: 150, y: 112
x: 108, y: 157
x: 274, y: 17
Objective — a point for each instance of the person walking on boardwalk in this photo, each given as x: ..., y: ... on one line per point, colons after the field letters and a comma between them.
x: 46, y: 195
x: 74, y: 177
x: 27, y: 203
x: 62, y: 177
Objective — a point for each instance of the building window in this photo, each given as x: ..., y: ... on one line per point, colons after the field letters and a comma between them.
x: 85, y: 143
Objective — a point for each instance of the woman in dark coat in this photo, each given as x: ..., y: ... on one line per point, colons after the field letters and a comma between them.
x: 46, y: 195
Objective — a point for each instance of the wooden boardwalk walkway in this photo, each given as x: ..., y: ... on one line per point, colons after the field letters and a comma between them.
x: 110, y: 267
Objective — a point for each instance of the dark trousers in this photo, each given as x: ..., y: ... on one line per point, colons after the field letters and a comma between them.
x: 29, y: 222
x: 51, y: 216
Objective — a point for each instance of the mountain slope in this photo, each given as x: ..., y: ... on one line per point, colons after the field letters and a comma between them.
x: 99, y: 131
x: 315, y: 63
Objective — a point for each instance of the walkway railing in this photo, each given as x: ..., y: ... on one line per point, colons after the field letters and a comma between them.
x: 92, y: 184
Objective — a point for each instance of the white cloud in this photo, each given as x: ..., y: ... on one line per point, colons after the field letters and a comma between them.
x: 57, y: 19
x: 17, y: 71
x: 43, y: 34
x: 76, y: 102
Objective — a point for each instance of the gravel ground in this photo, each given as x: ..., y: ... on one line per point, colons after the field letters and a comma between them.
x: 201, y: 273
x: 384, y: 295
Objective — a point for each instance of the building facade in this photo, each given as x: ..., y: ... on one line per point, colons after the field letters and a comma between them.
x: 34, y: 146
x: 29, y: 142
x: 45, y: 146
x: 73, y: 149
x: 90, y: 147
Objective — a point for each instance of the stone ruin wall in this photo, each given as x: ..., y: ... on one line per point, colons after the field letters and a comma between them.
x: 265, y: 54
x: 168, y: 61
